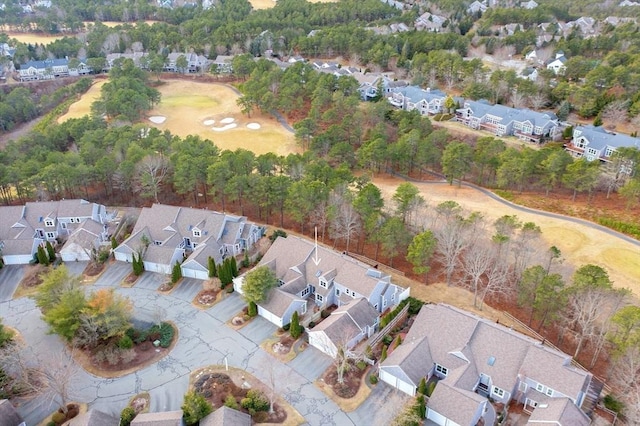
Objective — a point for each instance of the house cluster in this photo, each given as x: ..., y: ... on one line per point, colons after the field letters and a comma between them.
x: 82, y: 227
x: 50, y: 69
x: 474, y: 360
x: 312, y: 278
x: 595, y: 143
x: 165, y: 235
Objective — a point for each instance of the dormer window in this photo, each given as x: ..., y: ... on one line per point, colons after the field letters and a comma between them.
x: 197, y: 233
x: 323, y: 284
x: 48, y: 222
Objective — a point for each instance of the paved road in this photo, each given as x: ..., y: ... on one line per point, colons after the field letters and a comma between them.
x: 10, y: 277
x: 203, y: 339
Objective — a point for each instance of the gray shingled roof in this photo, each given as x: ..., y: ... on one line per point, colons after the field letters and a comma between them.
x: 599, y: 138
x: 456, y: 404
x: 278, y: 301
x: 566, y: 379
x: 95, y: 418
x: 225, y: 416
x: 8, y: 414
x: 560, y: 410
x: 166, y: 418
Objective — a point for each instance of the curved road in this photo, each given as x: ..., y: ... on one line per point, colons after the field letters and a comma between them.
x: 203, y: 340
x: 530, y: 210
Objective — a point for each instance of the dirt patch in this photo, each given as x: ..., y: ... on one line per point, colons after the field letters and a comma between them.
x: 130, y: 279
x: 207, y: 298
x: 93, y: 269
x: 350, y: 394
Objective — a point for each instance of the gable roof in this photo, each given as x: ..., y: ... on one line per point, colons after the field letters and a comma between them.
x: 292, y: 258
x: 560, y: 411
x: 95, y: 418
x: 225, y: 416
x: 599, y: 138
x: 348, y: 320
x: 456, y: 404
x: 8, y: 414
x: 465, y: 343
x: 166, y: 418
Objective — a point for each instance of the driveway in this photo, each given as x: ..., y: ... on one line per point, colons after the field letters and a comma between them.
x: 10, y: 277
x: 203, y: 339
x: 187, y: 289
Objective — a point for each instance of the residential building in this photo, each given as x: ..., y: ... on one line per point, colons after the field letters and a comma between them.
x: 9, y: 415
x: 24, y: 228
x: 312, y: 278
x: 171, y: 64
x: 557, y: 64
x: 223, y: 64
x: 164, y: 235
x: 473, y: 359
x: 369, y: 88
x: 44, y: 70
x: 501, y: 120
x: 530, y: 73
x: 225, y: 416
x: 595, y: 143
x: 425, y: 101
x: 531, y: 4
x: 476, y: 7
x: 558, y: 411
x: 165, y: 418
x: 345, y: 327
x: 430, y: 22
x: 136, y: 57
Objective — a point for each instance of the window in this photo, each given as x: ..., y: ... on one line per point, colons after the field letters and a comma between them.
x: 347, y: 291
x: 442, y: 370
x: 304, y: 309
x: 305, y: 291
x: 194, y: 245
x: 497, y: 392
x: 608, y: 152
x: 384, y: 302
x: 323, y: 284
x: 77, y: 220
x: 51, y: 235
x: 72, y: 220
x: 63, y: 225
x: 319, y: 297
x: 539, y: 387
x: 549, y: 392
x: 157, y: 243
x: 197, y: 233
x: 48, y: 222
x: 337, y: 292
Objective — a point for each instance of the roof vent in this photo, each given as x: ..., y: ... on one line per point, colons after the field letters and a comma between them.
x: 40, y: 219
x: 318, y: 273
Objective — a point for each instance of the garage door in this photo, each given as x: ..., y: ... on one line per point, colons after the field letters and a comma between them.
x: 269, y: 316
x: 436, y: 417
x: 192, y: 273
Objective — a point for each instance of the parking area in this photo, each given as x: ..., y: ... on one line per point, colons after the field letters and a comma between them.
x: 228, y: 308
x: 187, y: 289
x: 113, y: 274
x: 10, y: 277
x: 311, y: 363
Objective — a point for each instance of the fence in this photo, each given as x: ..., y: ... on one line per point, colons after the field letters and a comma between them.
x: 380, y: 335
x: 374, y: 263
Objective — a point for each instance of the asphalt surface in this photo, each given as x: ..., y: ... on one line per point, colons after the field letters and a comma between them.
x: 203, y: 339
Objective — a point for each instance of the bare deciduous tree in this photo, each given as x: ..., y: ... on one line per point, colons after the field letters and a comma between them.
x: 345, y: 221
x: 616, y: 112
x: 625, y: 375
x: 476, y: 261
x: 59, y: 375
x: 150, y: 174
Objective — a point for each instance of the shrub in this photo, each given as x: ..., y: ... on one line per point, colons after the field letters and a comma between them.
x: 383, y: 356
x: 255, y: 401
x: 43, y: 259
x: 361, y: 365
x: 51, y: 253
x: 430, y: 388
x: 245, y: 260
x: 373, y: 379
x: 127, y: 415
x: 213, y: 269
x: 277, y: 233
x: 312, y: 324
x: 324, y: 313
x: 73, y: 411
x: 114, y: 243
x: 125, y: 342
x: 176, y: 273
x: 194, y: 408
x: 398, y: 341
x: 58, y: 417
x: 230, y: 401
x: 613, y: 404
x: 261, y: 417
x: 252, y: 310
x: 286, y: 327
x: 422, y: 386
x: 387, y: 340
x: 164, y: 333
x: 296, y: 329
x: 51, y: 423
x: 421, y: 408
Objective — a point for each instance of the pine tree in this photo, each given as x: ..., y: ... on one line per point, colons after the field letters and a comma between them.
x: 114, y: 243
x: 138, y: 265
x: 422, y: 387
x: 176, y: 273
x: 245, y: 260
x: 43, y: 259
x: 51, y: 252
x: 383, y: 356
x: 213, y: 269
x: 252, y: 310
x: 233, y: 266
x: 295, y: 329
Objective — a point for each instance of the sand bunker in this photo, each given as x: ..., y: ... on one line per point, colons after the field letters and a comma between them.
x: 227, y: 120
x: 253, y: 126
x: 157, y: 119
x: 208, y: 122
x: 225, y: 127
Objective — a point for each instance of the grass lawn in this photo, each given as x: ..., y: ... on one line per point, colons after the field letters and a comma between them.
x: 578, y: 243
x: 187, y: 105
x: 34, y: 38
x: 83, y: 106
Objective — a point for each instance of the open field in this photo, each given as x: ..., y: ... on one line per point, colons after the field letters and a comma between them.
x: 205, y: 109
x: 579, y: 244
x: 266, y: 4
x: 112, y: 24
x: 83, y: 106
x: 34, y: 38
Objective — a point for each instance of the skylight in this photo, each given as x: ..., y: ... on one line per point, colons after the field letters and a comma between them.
x: 491, y: 361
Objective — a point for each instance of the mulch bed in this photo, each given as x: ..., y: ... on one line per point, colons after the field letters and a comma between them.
x: 207, y: 297
x: 216, y: 387
x: 284, y: 345
x: 93, y: 269
x: 352, y: 380
x: 33, y: 276
x: 131, y: 278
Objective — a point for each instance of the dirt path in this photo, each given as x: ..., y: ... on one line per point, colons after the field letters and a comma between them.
x: 581, y: 242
